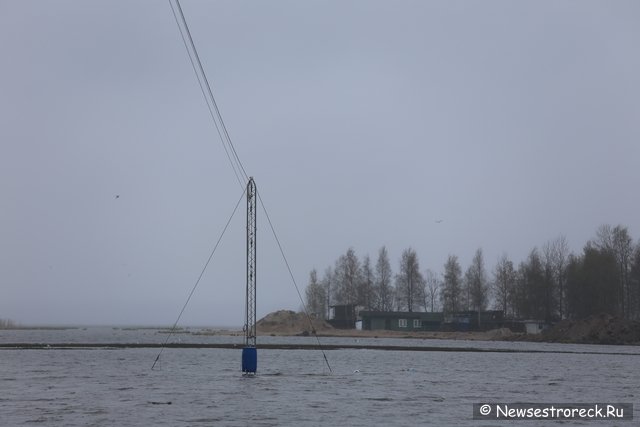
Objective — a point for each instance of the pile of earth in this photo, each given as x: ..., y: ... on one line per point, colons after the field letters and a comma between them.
x: 496, y: 334
x: 597, y: 329
x: 287, y: 322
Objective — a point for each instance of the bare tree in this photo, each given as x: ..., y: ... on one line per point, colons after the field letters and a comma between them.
x: 604, y: 238
x: 452, y: 285
x: 548, y: 286
x: 328, y: 284
x: 347, y: 276
x: 504, y: 277
x: 618, y: 242
x: 591, y: 283
x: 366, y: 290
x: 556, y: 255
x: 623, y: 249
x: 531, y: 287
x: 432, y: 287
x: 634, y: 281
x: 476, y: 282
x: 383, y: 281
x: 7, y: 324
x: 316, y: 297
x: 409, y: 281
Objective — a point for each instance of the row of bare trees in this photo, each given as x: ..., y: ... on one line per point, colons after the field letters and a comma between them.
x: 7, y: 324
x: 374, y: 287
x: 553, y: 283
x: 550, y: 284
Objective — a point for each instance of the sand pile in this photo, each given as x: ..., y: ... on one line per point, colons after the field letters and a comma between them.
x: 497, y: 334
x: 287, y: 322
x: 600, y: 329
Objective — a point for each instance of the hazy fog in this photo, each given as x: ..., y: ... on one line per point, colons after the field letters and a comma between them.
x: 363, y: 123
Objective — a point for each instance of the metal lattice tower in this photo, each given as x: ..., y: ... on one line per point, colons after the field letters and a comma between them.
x: 250, y: 325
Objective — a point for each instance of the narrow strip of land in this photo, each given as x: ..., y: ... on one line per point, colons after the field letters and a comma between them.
x: 81, y: 346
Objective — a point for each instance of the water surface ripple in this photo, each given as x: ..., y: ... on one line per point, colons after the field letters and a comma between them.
x: 203, y: 387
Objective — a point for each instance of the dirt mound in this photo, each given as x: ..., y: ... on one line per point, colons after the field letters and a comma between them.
x: 497, y: 334
x: 287, y: 322
x: 599, y: 329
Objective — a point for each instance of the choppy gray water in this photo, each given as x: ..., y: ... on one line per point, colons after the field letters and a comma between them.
x: 107, y: 387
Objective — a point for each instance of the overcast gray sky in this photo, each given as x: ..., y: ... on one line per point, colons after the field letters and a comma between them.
x: 363, y: 122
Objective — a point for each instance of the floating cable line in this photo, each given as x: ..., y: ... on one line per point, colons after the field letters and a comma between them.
x: 286, y: 262
x: 193, y: 289
x: 234, y: 159
x: 203, y: 82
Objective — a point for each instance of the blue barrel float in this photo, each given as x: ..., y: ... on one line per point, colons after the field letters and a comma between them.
x: 249, y: 360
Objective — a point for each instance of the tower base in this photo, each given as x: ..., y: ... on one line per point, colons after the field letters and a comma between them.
x: 249, y: 360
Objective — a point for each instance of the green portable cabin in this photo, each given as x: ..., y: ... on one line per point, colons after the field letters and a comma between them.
x: 400, y: 321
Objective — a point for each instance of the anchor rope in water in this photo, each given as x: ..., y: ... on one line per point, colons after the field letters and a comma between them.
x: 193, y: 289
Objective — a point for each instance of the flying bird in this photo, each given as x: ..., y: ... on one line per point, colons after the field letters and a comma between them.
x: 438, y: 221
x: 117, y: 196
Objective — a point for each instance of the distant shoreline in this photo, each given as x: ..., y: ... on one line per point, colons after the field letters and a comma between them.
x: 107, y: 346
x: 492, y: 335
x: 118, y: 327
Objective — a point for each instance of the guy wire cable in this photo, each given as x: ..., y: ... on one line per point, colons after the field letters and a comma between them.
x: 286, y: 262
x: 226, y: 139
x: 198, y: 281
